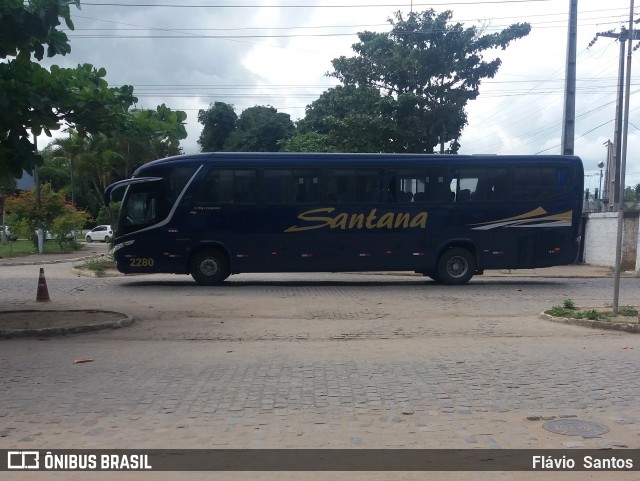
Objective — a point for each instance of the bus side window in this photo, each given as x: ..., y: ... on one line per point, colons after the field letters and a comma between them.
x: 216, y: 188
x: 536, y: 183
x: 340, y: 185
x: 465, y: 184
x: 226, y: 186
x: 306, y: 186
x: 410, y: 186
x: 499, y: 184
x: 436, y: 186
x: 245, y: 186
x: 369, y: 186
x: 292, y: 186
x: 354, y: 185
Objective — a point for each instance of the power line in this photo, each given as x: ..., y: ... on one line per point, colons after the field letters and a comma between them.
x: 178, y: 35
x: 301, y: 27
x: 392, y: 5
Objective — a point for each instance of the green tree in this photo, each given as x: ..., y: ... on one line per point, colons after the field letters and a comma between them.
x: 151, y: 134
x: 259, y: 129
x: 219, y: 120
x: 66, y: 225
x: 632, y: 195
x: 93, y: 161
x: 55, y: 170
x: 350, y: 118
x: 426, y: 69
x: 89, y: 161
x: 27, y: 26
x: 52, y: 213
x: 307, y: 142
x: 109, y: 215
x: 35, y: 100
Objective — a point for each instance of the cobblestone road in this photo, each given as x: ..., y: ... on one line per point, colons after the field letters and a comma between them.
x: 317, y: 360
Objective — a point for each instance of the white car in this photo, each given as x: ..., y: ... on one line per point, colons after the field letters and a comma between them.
x: 100, y: 233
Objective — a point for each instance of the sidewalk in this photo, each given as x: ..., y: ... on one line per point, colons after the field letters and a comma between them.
x: 570, y: 271
x: 87, y: 251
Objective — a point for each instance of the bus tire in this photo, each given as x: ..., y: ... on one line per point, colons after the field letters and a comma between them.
x: 209, y: 267
x: 456, y: 266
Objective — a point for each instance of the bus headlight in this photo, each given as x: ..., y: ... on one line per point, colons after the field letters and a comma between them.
x: 117, y: 247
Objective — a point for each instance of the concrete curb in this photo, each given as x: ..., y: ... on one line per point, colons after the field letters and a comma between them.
x: 65, y: 330
x: 612, y: 326
x: 82, y: 272
x: 54, y: 261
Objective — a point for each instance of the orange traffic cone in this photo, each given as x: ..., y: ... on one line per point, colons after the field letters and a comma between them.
x: 43, y: 292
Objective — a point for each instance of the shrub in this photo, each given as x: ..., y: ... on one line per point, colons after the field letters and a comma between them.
x: 628, y: 311
x: 559, y: 311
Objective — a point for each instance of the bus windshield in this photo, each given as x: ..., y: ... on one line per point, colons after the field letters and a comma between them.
x: 150, y: 201
x: 142, y: 206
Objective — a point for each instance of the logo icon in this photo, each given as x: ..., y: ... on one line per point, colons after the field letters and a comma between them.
x: 23, y: 460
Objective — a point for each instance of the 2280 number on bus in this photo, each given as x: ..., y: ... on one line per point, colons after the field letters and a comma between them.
x: 141, y: 262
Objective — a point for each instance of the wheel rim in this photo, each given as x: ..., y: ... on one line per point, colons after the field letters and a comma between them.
x: 208, y: 267
x: 457, y: 267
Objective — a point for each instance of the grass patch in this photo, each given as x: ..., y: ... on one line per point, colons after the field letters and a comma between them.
x: 21, y: 248
x: 590, y: 314
x: 568, y: 310
x: 559, y: 311
x: 98, y: 266
x: 628, y: 311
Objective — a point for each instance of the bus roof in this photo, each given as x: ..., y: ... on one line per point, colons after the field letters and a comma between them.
x: 290, y: 159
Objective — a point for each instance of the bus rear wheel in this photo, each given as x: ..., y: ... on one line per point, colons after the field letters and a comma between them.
x: 209, y: 267
x: 456, y: 266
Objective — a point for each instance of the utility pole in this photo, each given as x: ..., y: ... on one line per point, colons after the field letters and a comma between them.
x: 612, y: 184
x: 569, y: 115
x: 623, y: 162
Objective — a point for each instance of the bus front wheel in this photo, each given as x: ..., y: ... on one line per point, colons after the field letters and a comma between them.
x: 209, y: 267
x: 456, y: 266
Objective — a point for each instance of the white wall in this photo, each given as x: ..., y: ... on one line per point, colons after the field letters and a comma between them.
x: 600, y: 241
x: 638, y: 252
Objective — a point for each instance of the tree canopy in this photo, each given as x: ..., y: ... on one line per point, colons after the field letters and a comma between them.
x: 35, y: 100
x: 406, y: 90
x: 257, y: 129
x: 219, y: 120
x: 85, y: 164
x: 349, y: 118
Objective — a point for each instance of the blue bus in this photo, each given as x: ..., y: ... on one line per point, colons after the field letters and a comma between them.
x: 444, y: 216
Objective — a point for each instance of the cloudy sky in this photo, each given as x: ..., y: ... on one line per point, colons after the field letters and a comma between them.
x: 191, y: 53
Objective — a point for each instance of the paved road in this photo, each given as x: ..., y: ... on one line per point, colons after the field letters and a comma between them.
x: 318, y: 360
